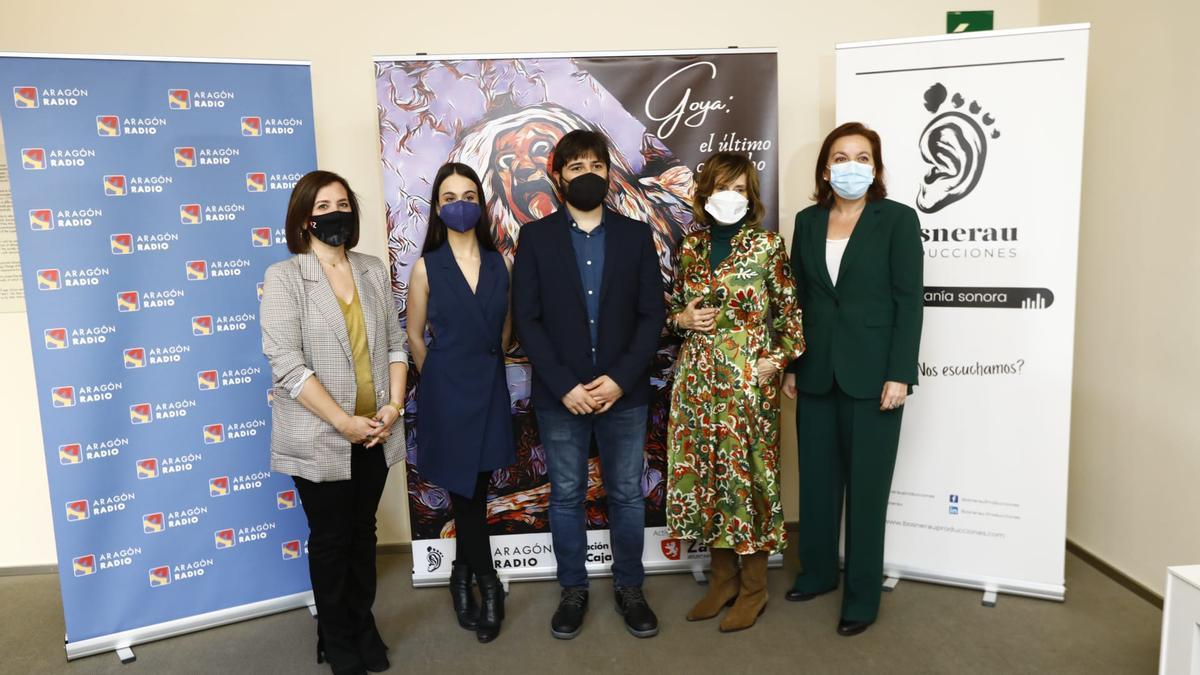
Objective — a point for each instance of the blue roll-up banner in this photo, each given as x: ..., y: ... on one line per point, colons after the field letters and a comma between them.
x: 149, y: 197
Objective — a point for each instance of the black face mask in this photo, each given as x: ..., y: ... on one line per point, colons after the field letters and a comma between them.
x: 331, y: 228
x: 587, y: 191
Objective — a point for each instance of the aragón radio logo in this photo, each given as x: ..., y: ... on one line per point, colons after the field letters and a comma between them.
x: 136, y: 301
x: 44, y: 220
x: 147, y: 413
x: 221, y: 486
x: 165, y: 575
x: 196, y: 99
x: 140, y: 357
x: 29, y: 96
x: 76, y: 453
x: 112, y: 126
x: 194, y: 214
x: 218, y: 432
x: 209, y: 380
x: 68, y: 396
x: 89, y: 564
x: 38, y: 159
x: 54, y: 279
x: 126, y: 243
x: 261, y: 237
x: 189, y: 157
x: 270, y: 126
x: 208, y: 324
x: 202, y: 270
x: 63, y: 338
x: 84, y: 509
x: 155, y: 523
x: 121, y: 185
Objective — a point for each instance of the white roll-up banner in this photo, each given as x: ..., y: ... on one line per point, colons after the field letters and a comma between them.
x: 983, y: 135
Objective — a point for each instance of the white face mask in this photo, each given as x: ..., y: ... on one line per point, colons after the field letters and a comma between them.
x: 727, y: 206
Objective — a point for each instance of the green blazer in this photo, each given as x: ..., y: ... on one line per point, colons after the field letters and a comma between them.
x: 866, y: 330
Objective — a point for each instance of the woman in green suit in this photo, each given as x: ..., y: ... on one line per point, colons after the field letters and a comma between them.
x: 857, y: 259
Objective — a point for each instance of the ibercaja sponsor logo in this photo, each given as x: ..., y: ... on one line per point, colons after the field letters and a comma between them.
x: 38, y: 159
x: 198, y: 99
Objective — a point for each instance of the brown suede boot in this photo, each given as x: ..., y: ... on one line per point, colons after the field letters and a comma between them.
x: 722, y: 586
x: 752, y: 598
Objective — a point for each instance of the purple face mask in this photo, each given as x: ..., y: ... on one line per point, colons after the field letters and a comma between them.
x: 460, y: 216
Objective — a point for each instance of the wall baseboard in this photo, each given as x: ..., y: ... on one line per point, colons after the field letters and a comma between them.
x: 1141, y: 590
x: 393, y: 549
x: 28, y: 569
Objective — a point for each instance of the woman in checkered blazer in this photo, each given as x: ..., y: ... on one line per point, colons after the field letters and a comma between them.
x: 339, y: 361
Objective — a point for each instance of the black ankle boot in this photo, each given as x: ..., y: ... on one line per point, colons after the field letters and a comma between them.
x: 463, y: 595
x: 491, y: 611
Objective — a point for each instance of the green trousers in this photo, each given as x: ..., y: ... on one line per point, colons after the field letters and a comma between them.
x: 847, y: 447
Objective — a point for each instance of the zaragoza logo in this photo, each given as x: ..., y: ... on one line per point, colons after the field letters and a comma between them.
x: 108, y: 125
x: 25, y: 97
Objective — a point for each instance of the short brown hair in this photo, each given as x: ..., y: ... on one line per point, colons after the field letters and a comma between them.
x: 300, y: 206
x: 724, y: 168
x: 823, y: 194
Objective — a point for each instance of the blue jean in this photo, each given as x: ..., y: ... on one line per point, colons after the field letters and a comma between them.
x: 621, y: 438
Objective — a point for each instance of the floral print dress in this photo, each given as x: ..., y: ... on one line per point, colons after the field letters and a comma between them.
x: 723, y: 437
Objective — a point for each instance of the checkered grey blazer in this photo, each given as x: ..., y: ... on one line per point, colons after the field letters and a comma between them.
x: 304, y: 335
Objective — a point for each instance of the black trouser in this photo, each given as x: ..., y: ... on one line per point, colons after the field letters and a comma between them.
x: 470, y: 525
x: 341, y: 557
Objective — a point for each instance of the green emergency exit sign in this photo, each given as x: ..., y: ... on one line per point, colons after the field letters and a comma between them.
x: 966, y: 22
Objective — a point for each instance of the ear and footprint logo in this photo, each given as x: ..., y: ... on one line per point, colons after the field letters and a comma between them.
x: 954, y: 145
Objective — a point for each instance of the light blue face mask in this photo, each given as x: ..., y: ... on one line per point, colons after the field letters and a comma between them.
x: 851, y: 180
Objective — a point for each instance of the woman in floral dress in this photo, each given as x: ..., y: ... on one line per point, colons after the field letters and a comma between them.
x: 734, y: 303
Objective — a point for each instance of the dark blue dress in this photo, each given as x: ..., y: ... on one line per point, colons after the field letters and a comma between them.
x: 464, y: 422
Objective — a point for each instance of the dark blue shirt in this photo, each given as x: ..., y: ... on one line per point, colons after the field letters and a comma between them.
x: 589, y: 255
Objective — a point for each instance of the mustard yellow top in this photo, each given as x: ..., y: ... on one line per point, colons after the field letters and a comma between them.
x: 364, y: 400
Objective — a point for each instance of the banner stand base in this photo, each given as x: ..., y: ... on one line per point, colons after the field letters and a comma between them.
x: 889, y: 584
x: 989, y: 598
x: 990, y: 586
x: 123, y: 642
x: 698, y: 575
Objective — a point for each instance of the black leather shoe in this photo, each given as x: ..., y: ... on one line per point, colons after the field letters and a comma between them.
x: 465, y: 607
x: 568, y: 620
x: 848, y: 628
x: 491, y: 610
x: 801, y: 596
x: 640, y: 620
x: 377, y: 664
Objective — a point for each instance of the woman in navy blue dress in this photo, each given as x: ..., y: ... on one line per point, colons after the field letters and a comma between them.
x: 459, y: 289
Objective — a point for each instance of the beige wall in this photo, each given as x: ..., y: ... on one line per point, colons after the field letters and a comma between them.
x: 1135, y: 431
x: 341, y: 38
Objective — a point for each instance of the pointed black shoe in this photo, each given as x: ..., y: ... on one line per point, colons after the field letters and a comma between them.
x: 847, y: 628
x: 568, y: 619
x: 465, y: 607
x: 803, y: 596
x: 491, y: 610
x: 640, y: 620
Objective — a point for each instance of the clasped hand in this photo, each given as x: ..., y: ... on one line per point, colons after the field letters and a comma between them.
x: 597, y: 396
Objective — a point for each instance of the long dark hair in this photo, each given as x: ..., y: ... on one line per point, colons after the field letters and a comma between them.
x: 435, y: 235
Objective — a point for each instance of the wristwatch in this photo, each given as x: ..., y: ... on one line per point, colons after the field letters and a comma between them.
x: 399, y: 408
